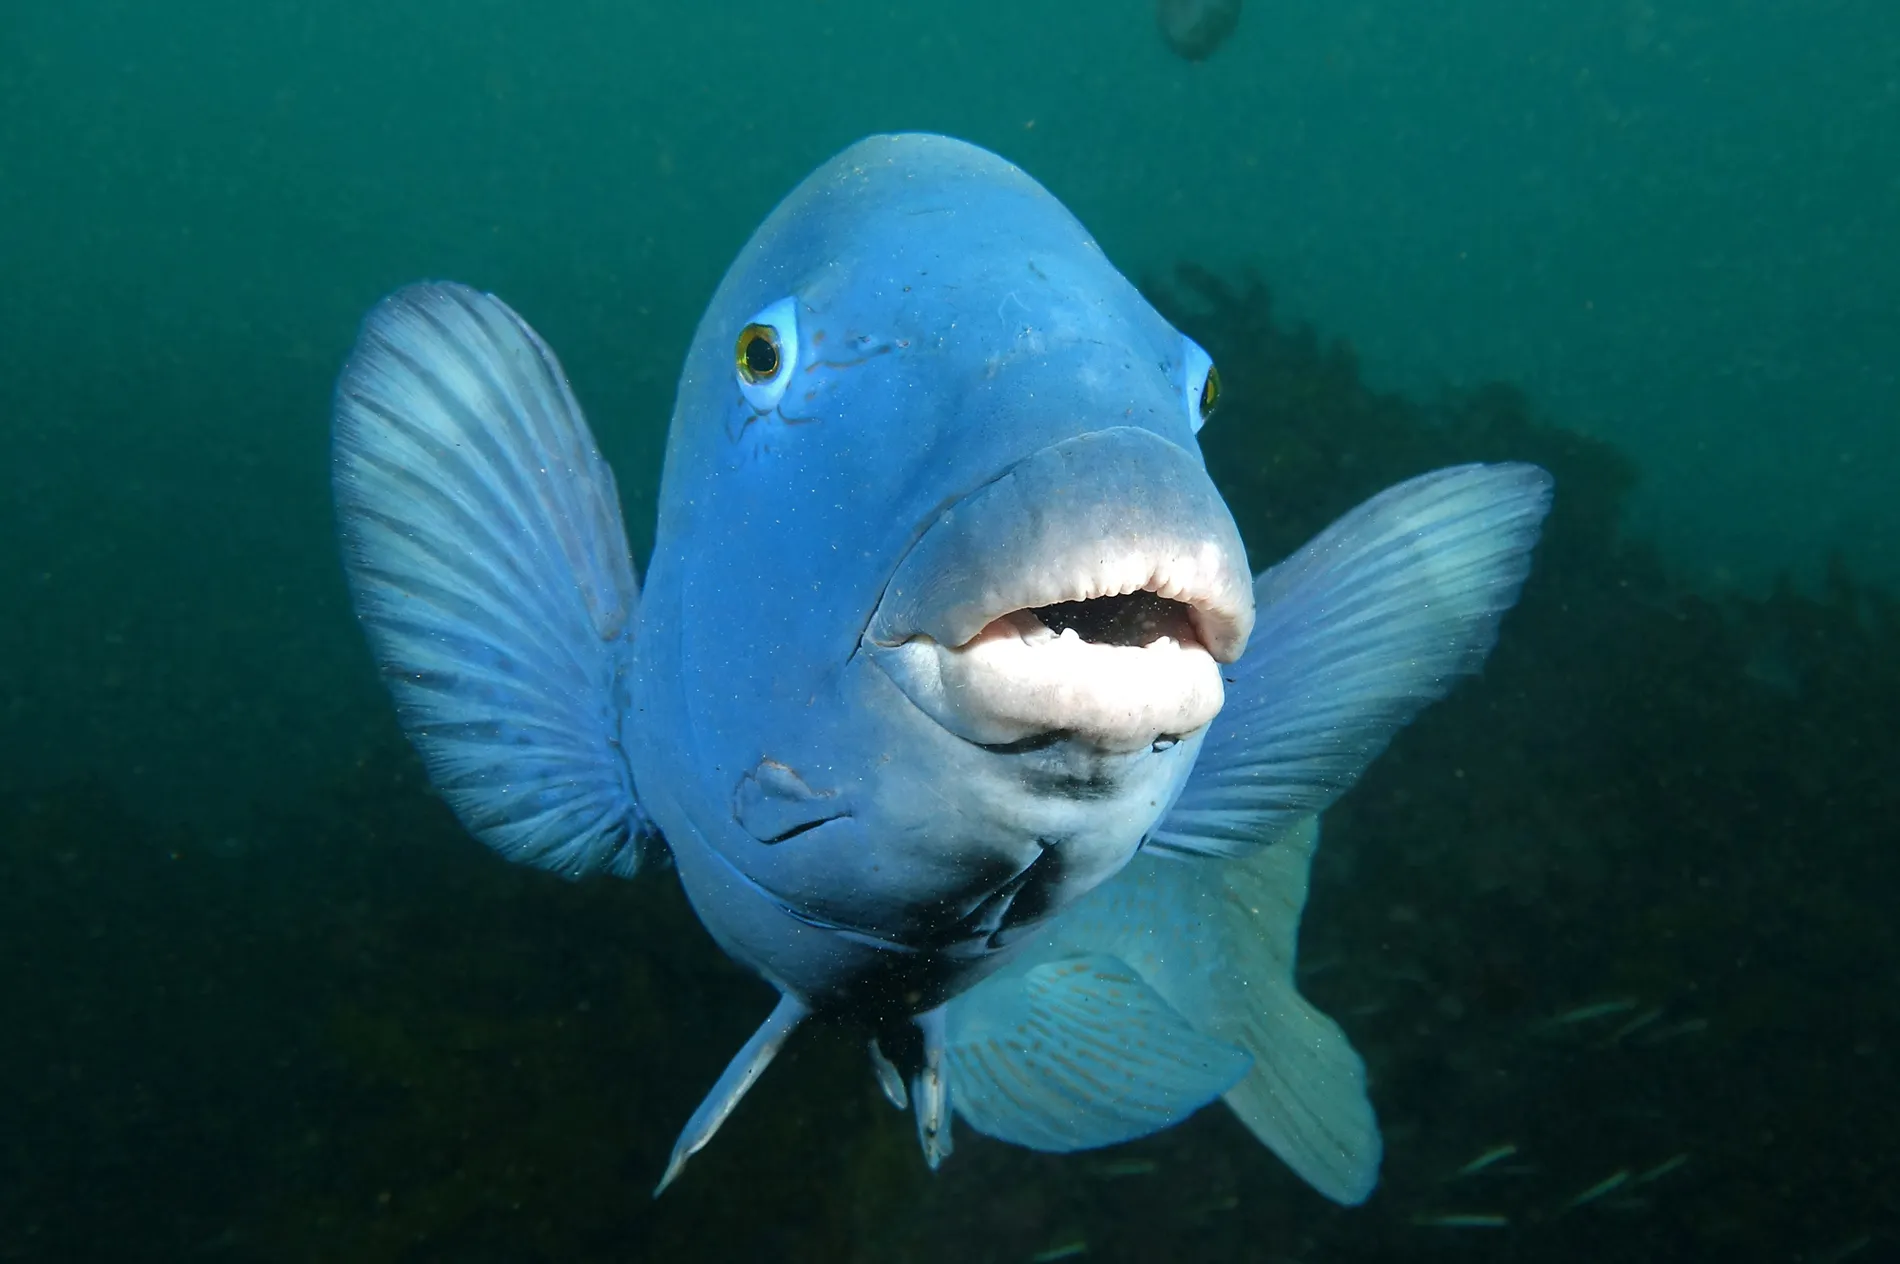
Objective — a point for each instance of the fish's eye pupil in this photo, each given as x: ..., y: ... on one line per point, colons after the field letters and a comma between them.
x: 758, y: 352
x: 761, y: 356
x: 1210, y: 393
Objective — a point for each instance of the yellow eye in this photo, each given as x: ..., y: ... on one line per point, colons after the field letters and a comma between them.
x: 757, y: 354
x: 766, y: 354
x: 1210, y: 393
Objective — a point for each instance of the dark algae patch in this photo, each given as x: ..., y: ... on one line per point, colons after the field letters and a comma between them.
x: 1612, y: 927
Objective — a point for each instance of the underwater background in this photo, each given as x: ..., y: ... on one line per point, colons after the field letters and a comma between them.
x: 1625, y: 903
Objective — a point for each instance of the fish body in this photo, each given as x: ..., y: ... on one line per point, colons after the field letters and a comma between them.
x: 949, y: 691
x: 1033, y: 445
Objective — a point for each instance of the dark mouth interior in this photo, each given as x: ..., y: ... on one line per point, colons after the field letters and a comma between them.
x: 1134, y: 619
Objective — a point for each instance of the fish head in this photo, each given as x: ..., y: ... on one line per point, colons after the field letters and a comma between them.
x: 952, y: 586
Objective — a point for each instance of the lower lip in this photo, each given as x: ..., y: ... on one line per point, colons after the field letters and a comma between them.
x: 1017, y: 680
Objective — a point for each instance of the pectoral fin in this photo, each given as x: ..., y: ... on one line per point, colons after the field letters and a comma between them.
x: 483, y: 542
x: 1353, y: 636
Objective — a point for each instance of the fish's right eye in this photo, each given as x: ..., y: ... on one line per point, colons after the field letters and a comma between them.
x: 765, y: 352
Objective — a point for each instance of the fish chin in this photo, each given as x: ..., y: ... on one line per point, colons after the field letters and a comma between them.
x: 1019, y: 681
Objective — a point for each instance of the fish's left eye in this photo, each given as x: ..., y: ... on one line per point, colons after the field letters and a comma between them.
x: 1201, y: 381
x: 765, y: 352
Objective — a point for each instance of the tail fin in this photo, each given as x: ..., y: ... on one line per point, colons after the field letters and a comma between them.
x: 1215, y: 942
x: 1077, y: 1053
x: 1305, y: 1095
x: 484, y: 545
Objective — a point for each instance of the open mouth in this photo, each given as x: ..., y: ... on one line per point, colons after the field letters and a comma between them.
x: 1091, y: 592
x: 1129, y: 619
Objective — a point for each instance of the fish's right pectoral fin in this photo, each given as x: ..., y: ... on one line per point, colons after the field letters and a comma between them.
x: 1077, y: 1053
x: 484, y: 545
x: 1375, y: 619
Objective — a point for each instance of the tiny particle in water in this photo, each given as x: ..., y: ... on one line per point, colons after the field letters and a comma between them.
x: 1588, y: 1013
x: 1067, y: 1251
x: 1688, y: 1027
x: 1614, y: 1180
x: 1313, y: 969
x: 1494, y: 1155
x: 1664, y: 1168
x: 1227, y: 1202
x: 1635, y: 1024
x: 1462, y: 1220
x: 1126, y: 1167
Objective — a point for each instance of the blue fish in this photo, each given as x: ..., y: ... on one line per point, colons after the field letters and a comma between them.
x: 949, y: 693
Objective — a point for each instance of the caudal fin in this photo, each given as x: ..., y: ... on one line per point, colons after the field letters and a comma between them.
x: 1305, y: 1095
x: 1076, y: 1053
x: 1213, y: 946
x: 485, y: 549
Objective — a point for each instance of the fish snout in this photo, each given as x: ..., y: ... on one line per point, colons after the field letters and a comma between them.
x: 1090, y: 591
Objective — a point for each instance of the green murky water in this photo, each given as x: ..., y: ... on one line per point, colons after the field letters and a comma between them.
x: 1626, y: 898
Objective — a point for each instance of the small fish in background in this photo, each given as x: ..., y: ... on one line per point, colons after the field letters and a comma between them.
x: 950, y: 693
x: 1195, y: 29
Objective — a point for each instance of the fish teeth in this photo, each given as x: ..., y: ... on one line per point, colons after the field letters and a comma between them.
x: 1059, y: 527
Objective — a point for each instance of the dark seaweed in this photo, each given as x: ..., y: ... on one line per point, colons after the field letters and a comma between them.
x: 365, y: 1039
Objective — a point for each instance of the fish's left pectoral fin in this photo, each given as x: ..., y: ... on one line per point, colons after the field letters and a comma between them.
x: 1355, y: 634
x: 484, y: 545
x: 740, y: 1075
x: 1078, y: 1053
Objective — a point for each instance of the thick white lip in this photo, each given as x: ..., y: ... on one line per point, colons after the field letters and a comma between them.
x: 1107, y: 514
x: 1017, y: 680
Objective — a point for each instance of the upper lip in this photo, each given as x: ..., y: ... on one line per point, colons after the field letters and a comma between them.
x: 1104, y: 514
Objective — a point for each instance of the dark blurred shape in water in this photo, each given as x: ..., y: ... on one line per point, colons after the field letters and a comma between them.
x: 1195, y: 29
